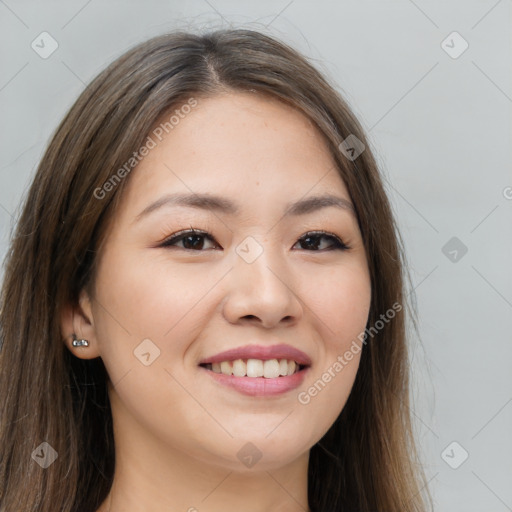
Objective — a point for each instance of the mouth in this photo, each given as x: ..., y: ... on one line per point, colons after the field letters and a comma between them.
x: 256, y: 368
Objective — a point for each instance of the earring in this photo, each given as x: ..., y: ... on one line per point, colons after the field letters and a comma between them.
x: 79, y: 343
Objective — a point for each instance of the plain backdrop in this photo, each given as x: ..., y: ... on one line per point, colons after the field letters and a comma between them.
x: 437, y: 109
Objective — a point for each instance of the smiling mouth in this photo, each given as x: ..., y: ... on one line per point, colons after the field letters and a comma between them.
x: 254, y: 368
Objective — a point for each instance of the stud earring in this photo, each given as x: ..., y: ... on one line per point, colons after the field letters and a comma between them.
x: 79, y: 343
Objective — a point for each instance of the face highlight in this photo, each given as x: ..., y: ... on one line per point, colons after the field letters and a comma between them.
x: 236, y: 230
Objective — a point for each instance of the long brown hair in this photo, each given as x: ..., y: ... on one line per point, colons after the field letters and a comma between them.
x: 368, y: 459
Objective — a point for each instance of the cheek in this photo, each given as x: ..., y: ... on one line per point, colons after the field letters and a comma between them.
x: 340, y: 300
x: 156, y: 309
x: 340, y: 304
x: 149, y: 298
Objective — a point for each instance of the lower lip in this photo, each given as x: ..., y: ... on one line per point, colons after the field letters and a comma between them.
x: 260, y: 386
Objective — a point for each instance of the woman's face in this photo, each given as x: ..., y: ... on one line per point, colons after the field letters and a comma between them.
x: 254, y: 282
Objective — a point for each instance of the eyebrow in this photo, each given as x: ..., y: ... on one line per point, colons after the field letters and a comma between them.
x: 226, y: 206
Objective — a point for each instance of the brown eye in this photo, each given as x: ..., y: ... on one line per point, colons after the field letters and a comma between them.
x: 192, y: 239
x: 312, y: 241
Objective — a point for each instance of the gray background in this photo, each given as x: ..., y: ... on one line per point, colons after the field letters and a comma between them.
x: 440, y: 128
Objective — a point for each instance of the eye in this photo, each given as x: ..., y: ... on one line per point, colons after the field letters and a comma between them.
x: 192, y: 239
x: 312, y: 240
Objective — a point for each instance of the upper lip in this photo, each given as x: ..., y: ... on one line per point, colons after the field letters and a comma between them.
x: 262, y: 352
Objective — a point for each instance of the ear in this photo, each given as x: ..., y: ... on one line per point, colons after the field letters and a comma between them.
x: 78, y: 320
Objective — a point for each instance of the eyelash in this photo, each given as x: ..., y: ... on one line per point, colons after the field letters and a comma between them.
x: 180, y: 235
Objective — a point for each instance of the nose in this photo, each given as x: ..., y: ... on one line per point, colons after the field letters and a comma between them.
x: 262, y: 293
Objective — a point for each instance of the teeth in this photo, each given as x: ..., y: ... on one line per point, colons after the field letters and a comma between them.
x: 254, y: 368
x: 239, y: 368
x: 269, y: 369
x: 225, y: 367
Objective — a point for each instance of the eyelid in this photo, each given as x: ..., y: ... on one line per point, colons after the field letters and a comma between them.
x: 186, y: 231
x: 182, y: 233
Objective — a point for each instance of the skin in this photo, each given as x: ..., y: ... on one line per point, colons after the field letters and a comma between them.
x: 177, y: 431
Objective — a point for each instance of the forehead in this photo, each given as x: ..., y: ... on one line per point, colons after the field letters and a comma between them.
x: 243, y: 145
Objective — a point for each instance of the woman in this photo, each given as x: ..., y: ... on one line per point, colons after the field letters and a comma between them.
x: 203, y: 306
